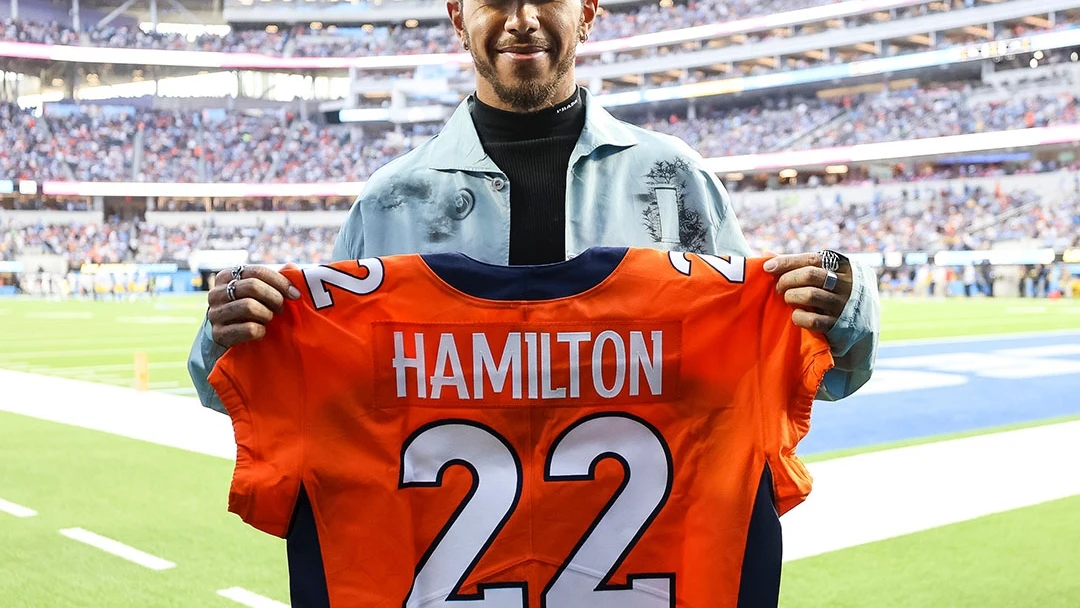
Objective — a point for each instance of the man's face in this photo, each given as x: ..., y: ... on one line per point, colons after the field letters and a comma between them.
x: 524, y: 50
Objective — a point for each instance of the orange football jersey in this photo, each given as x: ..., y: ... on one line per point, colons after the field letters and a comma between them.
x: 572, y: 438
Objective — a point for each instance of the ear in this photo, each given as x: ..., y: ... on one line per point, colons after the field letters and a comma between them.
x: 588, y: 14
x: 453, y: 9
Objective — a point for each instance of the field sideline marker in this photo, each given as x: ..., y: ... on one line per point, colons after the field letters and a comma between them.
x: 17, y: 510
x: 118, y: 549
x: 250, y: 599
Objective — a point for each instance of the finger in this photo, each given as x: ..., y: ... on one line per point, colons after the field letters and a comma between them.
x: 254, y: 289
x: 273, y: 279
x: 822, y: 301
x: 231, y: 335
x: 807, y: 276
x: 786, y: 263
x: 240, y: 311
x: 812, y: 320
x: 222, y: 277
x: 814, y: 276
x: 289, y: 266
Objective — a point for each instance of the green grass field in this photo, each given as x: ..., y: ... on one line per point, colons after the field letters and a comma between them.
x: 97, y: 341
x: 171, y: 503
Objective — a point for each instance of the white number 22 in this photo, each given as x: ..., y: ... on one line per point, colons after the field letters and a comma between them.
x: 497, y: 477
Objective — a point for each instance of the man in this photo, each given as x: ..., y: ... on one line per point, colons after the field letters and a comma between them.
x: 531, y: 170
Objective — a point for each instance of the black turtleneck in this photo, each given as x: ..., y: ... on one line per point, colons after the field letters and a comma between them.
x: 533, y: 150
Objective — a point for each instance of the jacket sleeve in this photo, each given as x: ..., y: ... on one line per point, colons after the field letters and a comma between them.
x: 853, y: 340
x: 204, y: 355
x: 205, y: 352
x: 350, y: 240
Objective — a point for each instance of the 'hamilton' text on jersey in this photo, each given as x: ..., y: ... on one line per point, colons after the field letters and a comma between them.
x: 510, y: 363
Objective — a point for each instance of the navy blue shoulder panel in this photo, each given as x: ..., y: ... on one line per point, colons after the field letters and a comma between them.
x: 541, y: 282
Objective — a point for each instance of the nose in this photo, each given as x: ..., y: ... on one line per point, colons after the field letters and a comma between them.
x: 522, y: 19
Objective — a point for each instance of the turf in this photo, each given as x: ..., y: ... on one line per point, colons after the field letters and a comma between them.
x: 171, y: 503
x: 1027, y: 557
x: 97, y: 341
x: 905, y: 319
x: 163, y: 501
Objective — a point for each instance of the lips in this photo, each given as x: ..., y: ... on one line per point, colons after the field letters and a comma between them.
x: 523, y: 49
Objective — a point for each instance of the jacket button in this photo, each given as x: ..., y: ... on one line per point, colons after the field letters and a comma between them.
x: 498, y: 184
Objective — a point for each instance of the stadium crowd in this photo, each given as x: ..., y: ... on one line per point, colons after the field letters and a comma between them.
x: 618, y: 22
x: 918, y: 220
x: 122, y: 144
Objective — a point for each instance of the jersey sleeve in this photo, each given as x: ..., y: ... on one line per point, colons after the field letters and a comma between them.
x: 796, y: 361
x: 260, y: 383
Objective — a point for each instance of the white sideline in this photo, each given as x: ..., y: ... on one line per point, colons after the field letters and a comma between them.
x: 856, y: 500
x: 250, y: 599
x: 118, y: 549
x: 164, y: 419
x: 16, y: 510
x: 870, y: 497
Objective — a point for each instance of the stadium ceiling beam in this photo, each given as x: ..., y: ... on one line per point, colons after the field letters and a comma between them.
x: 183, y: 9
x: 115, y: 13
x: 14, y: 10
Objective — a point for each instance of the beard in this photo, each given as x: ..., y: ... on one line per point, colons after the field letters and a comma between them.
x: 528, y: 93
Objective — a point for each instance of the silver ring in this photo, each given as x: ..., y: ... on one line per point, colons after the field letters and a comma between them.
x: 830, y: 260
x: 230, y: 290
x: 830, y: 281
x: 237, y: 272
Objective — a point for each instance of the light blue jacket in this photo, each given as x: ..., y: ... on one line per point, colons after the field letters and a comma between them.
x: 625, y: 186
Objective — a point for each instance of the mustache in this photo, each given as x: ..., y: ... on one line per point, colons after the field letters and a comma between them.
x: 526, y: 41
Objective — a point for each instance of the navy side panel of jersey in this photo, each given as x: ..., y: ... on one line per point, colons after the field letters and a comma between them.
x: 307, y: 577
x: 760, y: 583
x: 540, y: 282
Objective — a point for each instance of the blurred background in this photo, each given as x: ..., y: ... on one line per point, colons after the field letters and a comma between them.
x: 148, y: 144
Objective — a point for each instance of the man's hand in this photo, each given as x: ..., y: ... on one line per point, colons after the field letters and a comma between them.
x: 260, y: 294
x: 801, y: 282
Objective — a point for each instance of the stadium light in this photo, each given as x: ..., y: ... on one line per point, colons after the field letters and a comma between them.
x: 789, y: 174
x: 836, y: 169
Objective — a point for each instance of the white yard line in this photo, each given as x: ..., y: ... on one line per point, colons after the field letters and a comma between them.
x: 982, y: 337
x: 880, y: 495
x: 189, y: 391
x: 118, y: 549
x: 60, y: 316
x: 92, y: 352
x: 140, y: 338
x: 856, y: 500
x: 16, y: 510
x: 250, y: 599
x: 115, y: 367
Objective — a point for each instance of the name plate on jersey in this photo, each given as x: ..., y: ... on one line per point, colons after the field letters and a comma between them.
x: 512, y: 364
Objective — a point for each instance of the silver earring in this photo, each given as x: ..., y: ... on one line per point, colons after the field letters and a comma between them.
x: 465, y: 44
x: 584, y: 36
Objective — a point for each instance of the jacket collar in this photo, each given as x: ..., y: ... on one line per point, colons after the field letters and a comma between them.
x: 458, y: 147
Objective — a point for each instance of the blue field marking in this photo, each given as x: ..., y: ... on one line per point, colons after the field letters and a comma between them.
x: 921, y: 390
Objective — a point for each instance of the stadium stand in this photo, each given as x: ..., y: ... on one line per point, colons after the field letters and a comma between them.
x: 621, y: 21
x: 103, y: 143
